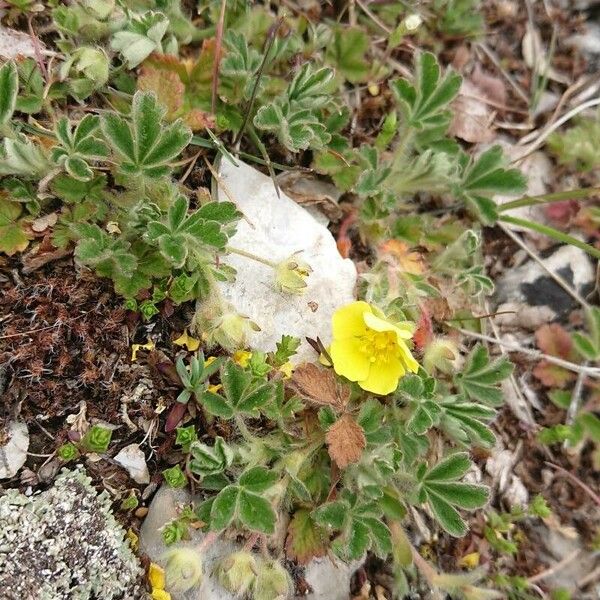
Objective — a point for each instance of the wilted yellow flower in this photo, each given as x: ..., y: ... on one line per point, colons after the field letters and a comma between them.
x: 291, y: 274
x: 242, y: 357
x: 191, y: 343
x: 156, y: 576
x: 370, y: 349
x: 287, y: 369
x: 135, y: 348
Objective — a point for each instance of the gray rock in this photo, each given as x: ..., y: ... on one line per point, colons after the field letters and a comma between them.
x: 534, y: 296
x: 328, y: 580
x: 275, y: 228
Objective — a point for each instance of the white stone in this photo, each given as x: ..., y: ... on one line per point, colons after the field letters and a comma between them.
x: 14, y: 453
x: 132, y: 459
x: 274, y: 228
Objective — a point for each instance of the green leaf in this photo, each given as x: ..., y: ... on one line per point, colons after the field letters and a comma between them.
x: 452, y: 467
x: 331, y: 514
x: 447, y: 516
x: 216, y: 405
x: 9, y: 89
x: 258, y: 479
x: 463, y: 495
x: 380, y: 536
x: 224, y: 507
x: 348, y: 51
x: 256, y: 513
x: 479, y: 378
x: 145, y: 144
x: 207, y: 460
x: 257, y: 399
x: 358, y: 540
x: 13, y: 238
x: 235, y: 381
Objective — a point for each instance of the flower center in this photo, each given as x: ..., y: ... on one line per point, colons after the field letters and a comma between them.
x: 379, y: 345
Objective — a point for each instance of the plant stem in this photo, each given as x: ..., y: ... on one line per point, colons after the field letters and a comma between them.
x: 555, y: 234
x: 251, y: 256
x: 547, y: 198
x: 248, y: 437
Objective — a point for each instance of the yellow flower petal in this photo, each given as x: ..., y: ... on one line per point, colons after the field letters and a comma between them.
x: 242, y: 357
x: 209, y: 360
x: 407, y: 358
x: 191, y: 343
x: 348, y: 321
x: 286, y: 369
x: 383, y: 376
x: 156, y: 576
x: 135, y: 348
x: 349, y: 360
x: 214, y: 388
x: 160, y: 595
x: 403, y: 330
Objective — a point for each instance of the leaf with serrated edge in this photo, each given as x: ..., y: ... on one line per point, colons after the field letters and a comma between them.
x: 345, y: 441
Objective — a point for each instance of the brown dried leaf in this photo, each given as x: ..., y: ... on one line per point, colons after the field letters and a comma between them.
x: 319, y: 386
x: 346, y: 441
x: 472, y: 118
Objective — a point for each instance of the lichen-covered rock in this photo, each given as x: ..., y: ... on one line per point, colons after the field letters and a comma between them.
x: 65, y: 544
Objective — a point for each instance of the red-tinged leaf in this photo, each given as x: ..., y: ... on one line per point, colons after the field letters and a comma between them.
x: 424, y: 332
x: 198, y: 120
x: 176, y: 413
x: 552, y: 375
x: 167, y: 86
x: 344, y: 243
x: 305, y: 539
x: 555, y: 340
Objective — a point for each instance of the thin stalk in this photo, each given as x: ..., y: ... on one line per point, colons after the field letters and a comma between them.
x: 251, y: 256
x: 216, y: 64
x: 555, y: 234
x: 261, y: 148
x: 268, y: 45
x: 548, y: 198
x: 248, y: 437
x: 535, y: 354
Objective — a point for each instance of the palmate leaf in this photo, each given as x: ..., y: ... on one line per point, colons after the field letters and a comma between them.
x: 13, y: 237
x: 347, y: 53
x: 182, y: 235
x: 243, y: 502
x: 241, y: 394
x: 23, y: 158
x: 441, y: 489
x: 9, y: 89
x: 466, y: 422
x: 145, y: 145
x: 486, y: 176
x: 480, y: 377
x: 425, y: 104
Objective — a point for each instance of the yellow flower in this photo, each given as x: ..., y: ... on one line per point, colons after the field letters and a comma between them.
x: 156, y: 576
x: 191, y: 343
x: 369, y: 349
x: 242, y: 357
x: 214, y: 388
x: 160, y: 595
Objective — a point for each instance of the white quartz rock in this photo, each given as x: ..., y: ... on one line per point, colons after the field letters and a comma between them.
x: 274, y: 228
x: 13, y: 453
x: 132, y: 459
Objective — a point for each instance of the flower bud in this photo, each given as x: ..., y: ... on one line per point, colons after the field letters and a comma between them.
x: 441, y: 354
x: 220, y: 324
x: 412, y: 22
x: 183, y: 569
x: 273, y: 582
x: 237, y: 572
x: 291, y: 273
